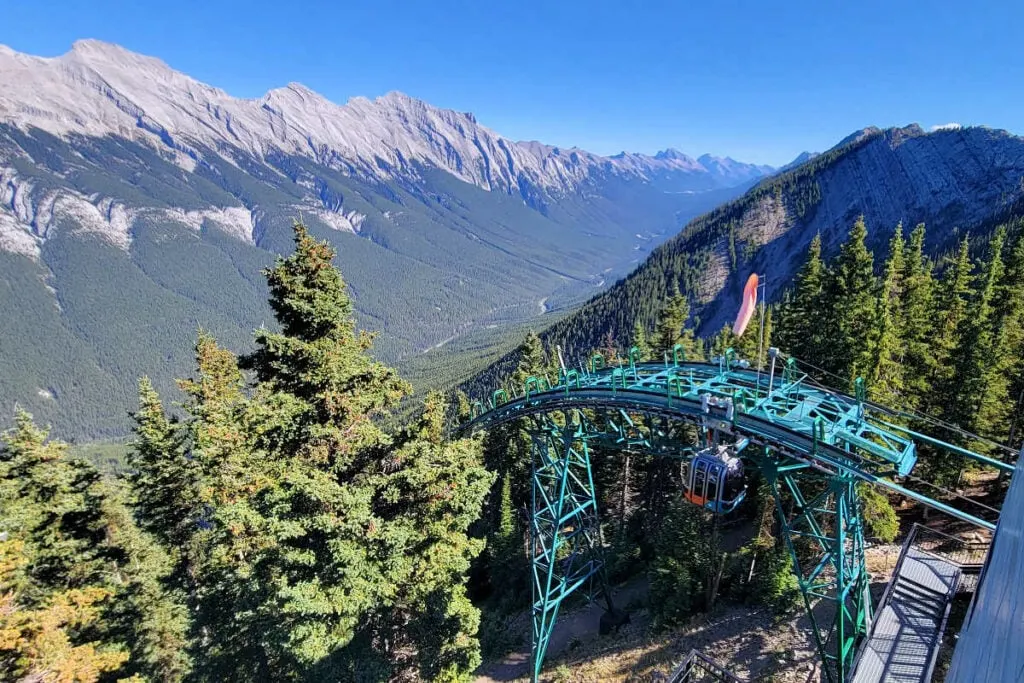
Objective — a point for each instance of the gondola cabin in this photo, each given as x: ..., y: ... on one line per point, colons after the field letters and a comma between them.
x: 715, y: 479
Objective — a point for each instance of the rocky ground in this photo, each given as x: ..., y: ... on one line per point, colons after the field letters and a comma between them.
x: 751, y: 642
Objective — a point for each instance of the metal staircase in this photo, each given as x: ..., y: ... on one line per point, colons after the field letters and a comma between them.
x: 699, y: 668
x: 905, y: 637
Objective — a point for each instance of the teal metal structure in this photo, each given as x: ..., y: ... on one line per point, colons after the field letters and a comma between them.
x: 814, y: 446
x: 564, y: 529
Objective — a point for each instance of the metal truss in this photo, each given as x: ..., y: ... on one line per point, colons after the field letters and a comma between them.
x: 812, y: 444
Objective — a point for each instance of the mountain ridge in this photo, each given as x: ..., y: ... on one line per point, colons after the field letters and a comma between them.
x: 127, y: 93
x: 951, y: 179
x: 138, y: 204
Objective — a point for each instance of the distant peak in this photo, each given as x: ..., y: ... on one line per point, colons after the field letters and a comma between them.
x: 858, y: 135
x: 711, y: 158
x: 672, y: 153
x: 401, y: 100
x: 397, y: 98
x: 299, y: 87
x: 90, y: 50
x: 94, y: 47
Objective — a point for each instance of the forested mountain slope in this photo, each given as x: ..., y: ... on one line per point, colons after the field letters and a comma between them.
x: 951, y: 180
x: 137, y: 205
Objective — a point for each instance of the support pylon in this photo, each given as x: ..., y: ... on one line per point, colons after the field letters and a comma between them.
x: 564, y: 532
x: 821, y: 522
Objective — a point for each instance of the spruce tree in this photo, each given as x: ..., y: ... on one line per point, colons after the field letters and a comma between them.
x: 1011, y: 338
x: 323, y: 548
x: 671, y: 327
x: 161, y: 473
x: 42, y: 642
x: 506, y: 557
x: 640, y: 342
x: 802, y: 326
x: 886, y: 376
x: 850, y: 307
x: 748, y: 346
x: 79, y: 569
x: 532, y: 362
x: 430, y: 494
x: 952, y: 300
x: 292, y: 477
x: 918, y: 313
x: 980, y: 397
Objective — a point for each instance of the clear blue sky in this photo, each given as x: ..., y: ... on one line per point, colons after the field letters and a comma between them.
x: 759, y: 80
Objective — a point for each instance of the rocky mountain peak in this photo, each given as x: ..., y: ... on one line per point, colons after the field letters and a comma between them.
x: 100, y: 89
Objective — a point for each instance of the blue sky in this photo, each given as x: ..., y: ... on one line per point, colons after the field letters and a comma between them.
x: 759, y: 81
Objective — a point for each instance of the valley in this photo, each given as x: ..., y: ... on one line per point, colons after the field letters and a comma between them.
x: 309, y: 389
x: 127, y: 229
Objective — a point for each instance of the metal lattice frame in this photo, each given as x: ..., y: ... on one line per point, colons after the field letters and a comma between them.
x: 564, y: 531
x: 821, y: 521
x: 815, y: 446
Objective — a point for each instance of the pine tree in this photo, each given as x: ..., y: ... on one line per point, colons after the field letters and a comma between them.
x: 850, y: 306
x: 671, y: 328
x: 81, y: 579
x: 886, y: 377
x: 640, y: 342
x: 918, y: 311
x: 802, y: 325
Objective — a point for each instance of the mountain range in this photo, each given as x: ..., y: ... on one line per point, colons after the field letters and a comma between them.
x: 957, y: 181
x: 138, y: 204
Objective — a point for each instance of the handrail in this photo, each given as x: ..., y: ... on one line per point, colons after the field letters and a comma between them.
x: 494, y: 398
x: 678, y: 351
x: 541, y: 384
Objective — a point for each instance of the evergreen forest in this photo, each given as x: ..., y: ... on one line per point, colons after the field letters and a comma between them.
x: 293, y: 520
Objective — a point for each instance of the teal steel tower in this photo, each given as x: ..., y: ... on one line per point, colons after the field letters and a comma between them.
x: 814, y: 447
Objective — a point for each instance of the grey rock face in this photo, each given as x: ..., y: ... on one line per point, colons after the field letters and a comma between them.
x: 102, y: 89
x: 951, y: 180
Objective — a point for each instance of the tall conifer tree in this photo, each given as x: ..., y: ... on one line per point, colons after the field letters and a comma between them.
x: 84, y: 586
x: 850, y: 306
x: 918, y: 312
x: 802, y: 327
x: 886, y: 376
x: 671, y: 328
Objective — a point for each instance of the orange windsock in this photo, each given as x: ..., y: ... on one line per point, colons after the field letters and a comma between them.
x: 747, y: 309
